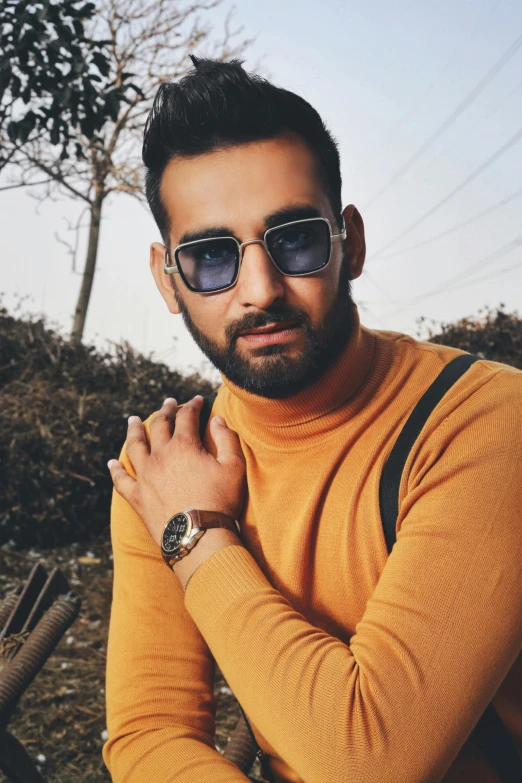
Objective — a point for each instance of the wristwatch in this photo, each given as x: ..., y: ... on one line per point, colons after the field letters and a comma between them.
x: 184, y: 529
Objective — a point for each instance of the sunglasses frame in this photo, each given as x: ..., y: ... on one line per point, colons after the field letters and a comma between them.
x: 172, y: 270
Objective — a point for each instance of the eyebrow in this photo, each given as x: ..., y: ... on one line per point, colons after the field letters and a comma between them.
x: 286, y: 215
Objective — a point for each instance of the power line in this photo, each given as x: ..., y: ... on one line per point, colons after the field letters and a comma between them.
x: 378, y: 286
x: 452, y: 230
x: 447, y: 285
x: 502, y: 101
x: 450, y: 64
x: 474, y: 174
x: 506, y: 269
x: 364, y: 307
x: 504, y: 250
x: 455, y: 114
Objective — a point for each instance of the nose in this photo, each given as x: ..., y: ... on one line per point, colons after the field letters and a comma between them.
x: 259, y: 283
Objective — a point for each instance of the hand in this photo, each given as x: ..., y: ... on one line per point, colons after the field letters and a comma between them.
x: 176, y: 472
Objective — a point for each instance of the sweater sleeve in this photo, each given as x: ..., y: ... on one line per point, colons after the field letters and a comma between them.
x: 160, y: 673
x: 439, y: 634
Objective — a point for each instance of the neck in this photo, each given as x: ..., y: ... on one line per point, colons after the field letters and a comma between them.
x: 319, y: 407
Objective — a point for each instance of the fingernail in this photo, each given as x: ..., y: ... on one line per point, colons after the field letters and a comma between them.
x: 198, y: 397
x: 110, y: 463
x: 169, y: 399
x: 133, y: 419
x: 220, y: 420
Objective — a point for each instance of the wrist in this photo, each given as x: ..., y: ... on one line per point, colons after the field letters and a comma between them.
x: 212, y: 541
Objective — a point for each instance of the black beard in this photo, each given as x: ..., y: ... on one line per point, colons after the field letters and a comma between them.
x: 280, y: 376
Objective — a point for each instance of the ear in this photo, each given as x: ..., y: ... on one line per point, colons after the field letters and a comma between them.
x: 355, y: 240
x: 164, y: 282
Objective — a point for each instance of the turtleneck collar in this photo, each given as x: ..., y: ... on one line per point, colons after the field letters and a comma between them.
x: 290, y: 423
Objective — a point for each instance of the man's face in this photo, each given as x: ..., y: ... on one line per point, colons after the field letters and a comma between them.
x: 241, y: 191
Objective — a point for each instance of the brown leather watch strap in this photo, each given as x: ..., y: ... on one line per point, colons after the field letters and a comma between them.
x: 212, y: 519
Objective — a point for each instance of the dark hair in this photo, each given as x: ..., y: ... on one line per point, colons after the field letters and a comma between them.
x: 218, y: 105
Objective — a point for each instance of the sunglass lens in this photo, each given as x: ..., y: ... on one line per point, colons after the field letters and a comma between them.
x: 209, y: 265
x: 300, y: 247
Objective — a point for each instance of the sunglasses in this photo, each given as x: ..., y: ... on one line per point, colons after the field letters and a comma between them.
x: 296, y: 249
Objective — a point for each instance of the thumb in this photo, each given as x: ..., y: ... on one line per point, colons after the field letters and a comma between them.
x: 227, y: 442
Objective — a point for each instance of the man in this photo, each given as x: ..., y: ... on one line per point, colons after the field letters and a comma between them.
x: 352, y: 666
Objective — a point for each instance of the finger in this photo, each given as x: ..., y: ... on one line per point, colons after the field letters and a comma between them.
x: 186, y: 428
x: 162, y: 425
x: 227, y: 442
x: 136, y: 443
x: 123, y: 483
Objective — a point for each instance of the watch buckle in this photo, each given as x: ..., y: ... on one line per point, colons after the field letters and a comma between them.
x: 195, y: 538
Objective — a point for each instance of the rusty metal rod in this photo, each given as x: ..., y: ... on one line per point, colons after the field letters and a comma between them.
x: 6, y: 609
x: 26, y: 664
x: 240, y: 749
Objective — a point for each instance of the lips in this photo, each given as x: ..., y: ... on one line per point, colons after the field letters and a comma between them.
x: 271, y: 335
x: 270, y: 328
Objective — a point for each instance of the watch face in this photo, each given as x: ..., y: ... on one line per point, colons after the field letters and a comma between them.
x: 174, y: 532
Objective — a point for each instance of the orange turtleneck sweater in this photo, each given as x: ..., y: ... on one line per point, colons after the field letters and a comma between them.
x: 351, y: 665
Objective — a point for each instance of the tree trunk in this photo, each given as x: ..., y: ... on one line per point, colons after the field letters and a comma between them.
x: 80, y: 314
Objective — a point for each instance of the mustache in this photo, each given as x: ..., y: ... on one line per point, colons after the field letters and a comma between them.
x: 273, y: 315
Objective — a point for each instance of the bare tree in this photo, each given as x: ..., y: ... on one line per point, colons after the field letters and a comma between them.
x: 151, y: 40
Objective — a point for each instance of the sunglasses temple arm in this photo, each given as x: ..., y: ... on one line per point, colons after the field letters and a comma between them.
x: 169, y: 270
x: 342, y: 235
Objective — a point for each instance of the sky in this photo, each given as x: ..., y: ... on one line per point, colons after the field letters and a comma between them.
x: 425, y: 100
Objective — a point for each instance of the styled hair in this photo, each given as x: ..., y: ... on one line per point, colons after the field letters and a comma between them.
x: 218, y: 105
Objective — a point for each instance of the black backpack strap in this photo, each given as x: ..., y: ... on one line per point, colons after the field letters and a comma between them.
x: 492, y: 737
x: 490, y: 733
x: 206, y: 410
x: 392, y: 471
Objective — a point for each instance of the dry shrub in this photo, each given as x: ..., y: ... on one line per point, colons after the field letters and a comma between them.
x: 63, y: 411
x: 492, y: 334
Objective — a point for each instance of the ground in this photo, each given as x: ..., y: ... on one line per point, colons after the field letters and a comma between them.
x: 61, y: 717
